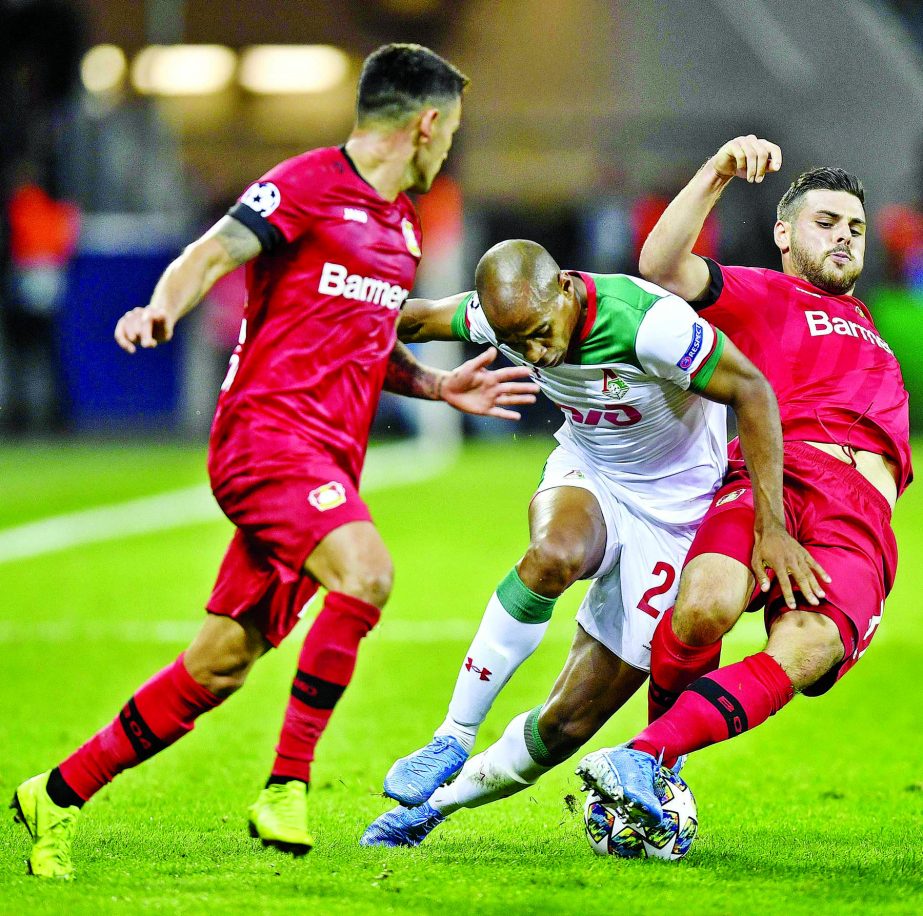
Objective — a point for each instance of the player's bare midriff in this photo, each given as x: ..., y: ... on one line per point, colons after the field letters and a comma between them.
x: 877, y: 469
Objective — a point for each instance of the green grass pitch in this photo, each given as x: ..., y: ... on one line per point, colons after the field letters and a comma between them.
x: 818, y: 811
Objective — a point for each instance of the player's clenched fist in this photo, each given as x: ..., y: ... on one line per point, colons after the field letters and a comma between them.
x: 145, y: 327
x: 747, y: 157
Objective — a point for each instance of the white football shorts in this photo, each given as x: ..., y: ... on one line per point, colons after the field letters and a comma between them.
x: 638, y: 578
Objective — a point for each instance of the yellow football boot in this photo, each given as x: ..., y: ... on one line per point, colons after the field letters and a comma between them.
x: 51, y: 827
x: 279, y: 817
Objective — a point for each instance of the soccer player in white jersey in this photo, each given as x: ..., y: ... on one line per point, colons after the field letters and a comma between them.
x: 640, y: 454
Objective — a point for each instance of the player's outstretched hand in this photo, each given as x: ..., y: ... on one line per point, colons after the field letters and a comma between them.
x: 473, y: 388
x: 747, y: 157
x: 145, y: 327
x: 777, y: 550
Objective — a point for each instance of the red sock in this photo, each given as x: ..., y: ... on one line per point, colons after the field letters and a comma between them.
x: 674, y: 666
x: 161, y: 712
x: 325, y: 667
x: 719, y: 706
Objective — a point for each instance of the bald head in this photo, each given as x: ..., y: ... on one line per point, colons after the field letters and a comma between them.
x: 515, y: 280
x: 531, y: 305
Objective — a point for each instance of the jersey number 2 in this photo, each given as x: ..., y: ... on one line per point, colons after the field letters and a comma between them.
x: 669, y: 577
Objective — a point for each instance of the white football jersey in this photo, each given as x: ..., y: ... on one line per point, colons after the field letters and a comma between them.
x: 627, y: 388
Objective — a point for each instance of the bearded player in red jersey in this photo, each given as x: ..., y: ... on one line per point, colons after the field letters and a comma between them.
x: 845, y: 427
x: 333, y: 244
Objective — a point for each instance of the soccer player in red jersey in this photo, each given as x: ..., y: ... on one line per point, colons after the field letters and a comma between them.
x: 333, y: 244
x: 845, y: 427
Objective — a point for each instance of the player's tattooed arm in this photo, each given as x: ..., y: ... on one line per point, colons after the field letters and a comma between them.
x: 470, y: 388
x: 186, y: 281
x: 428, y: 319
x: 407, y: 376
x: 738, y: 383
x: 240, y: 243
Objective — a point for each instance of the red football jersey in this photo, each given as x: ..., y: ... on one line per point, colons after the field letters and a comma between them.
x: 836, y: 380
x: 320, y: 322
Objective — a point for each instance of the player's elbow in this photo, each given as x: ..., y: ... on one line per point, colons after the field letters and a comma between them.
x: 410, y: 329
x: 207, y: 258
x: 753, y: 395
x: 650, y: 265
x: 653, y: 266
x: 415, y: 321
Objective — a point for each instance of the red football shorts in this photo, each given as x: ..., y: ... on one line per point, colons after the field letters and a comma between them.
x: 281, y: 516
x: 842, y: 521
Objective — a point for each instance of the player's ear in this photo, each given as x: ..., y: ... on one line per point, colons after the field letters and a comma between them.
x: 781, y: 234
x: 566, y: 284
x: 427, y: 124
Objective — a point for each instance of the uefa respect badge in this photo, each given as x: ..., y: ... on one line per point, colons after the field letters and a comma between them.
x: 327, y: 496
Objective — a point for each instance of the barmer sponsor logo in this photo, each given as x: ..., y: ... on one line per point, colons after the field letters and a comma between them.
x: 336, y: 280
x: 820, y: 324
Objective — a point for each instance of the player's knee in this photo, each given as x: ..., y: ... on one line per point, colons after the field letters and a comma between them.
x: 551, y: 565
x: 703, y: 613
x: 223, y: 670
x: 370, y: 581
x: 223, y: 652
x: 806, y: 644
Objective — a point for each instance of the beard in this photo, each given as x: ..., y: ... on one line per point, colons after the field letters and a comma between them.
x: 822, y: 274
x: 421, y: 181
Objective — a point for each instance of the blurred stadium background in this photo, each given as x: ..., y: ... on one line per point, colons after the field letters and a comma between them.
x: 125, y: 129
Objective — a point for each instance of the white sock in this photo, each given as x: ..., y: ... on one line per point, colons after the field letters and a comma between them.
x: 501, y: 644
x: 465, y: 735
x: 505, y: 768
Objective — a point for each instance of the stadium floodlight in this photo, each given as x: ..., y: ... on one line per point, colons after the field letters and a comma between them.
x: 183, y: 69
x: 288, y: 69
x: 103, y: 69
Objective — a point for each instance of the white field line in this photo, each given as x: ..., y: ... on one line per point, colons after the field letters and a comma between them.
x: 169, y: 632
x: 155, y: 632
x: 389, y: 465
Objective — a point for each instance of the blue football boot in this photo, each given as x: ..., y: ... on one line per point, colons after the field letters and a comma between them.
x: 625, y: 776
x: 402, y: 826
x: 413, y: 779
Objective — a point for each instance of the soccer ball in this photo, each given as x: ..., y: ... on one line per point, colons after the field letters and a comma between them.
x: 612, y: 832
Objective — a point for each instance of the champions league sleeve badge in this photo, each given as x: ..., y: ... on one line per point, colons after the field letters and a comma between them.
x: 263, y: 197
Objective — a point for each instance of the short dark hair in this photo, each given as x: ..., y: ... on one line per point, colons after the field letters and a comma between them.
x: 825, y: 179
x: 398, y: 80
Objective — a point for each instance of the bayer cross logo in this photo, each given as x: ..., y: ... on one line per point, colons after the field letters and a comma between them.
x: 328, y: 496
x: 410, y: 238
x: 263, y: 197
x: 730, y: 497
